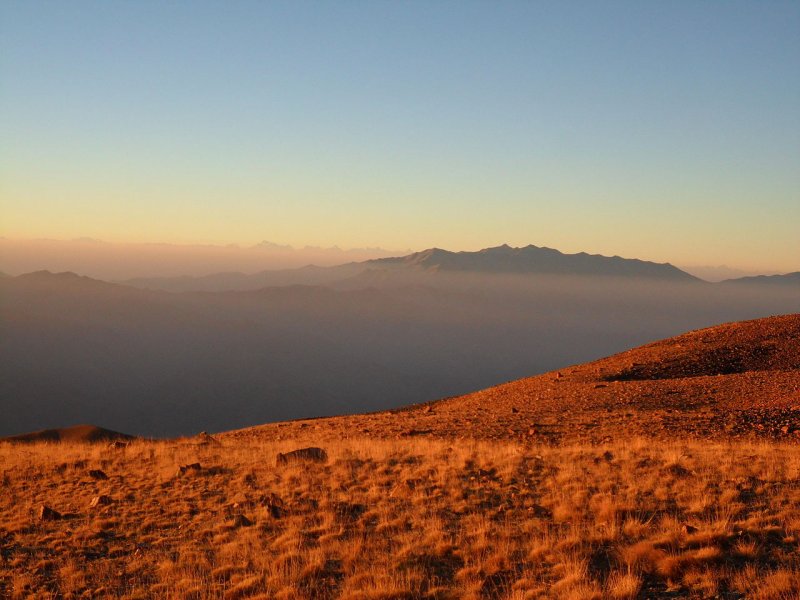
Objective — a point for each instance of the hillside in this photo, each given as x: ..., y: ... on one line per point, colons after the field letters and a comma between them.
x: 734, y: 380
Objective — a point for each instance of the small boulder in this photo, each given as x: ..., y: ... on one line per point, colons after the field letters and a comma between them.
x: 97, y: 474
x: 677, y: 470
x: 206, y: 439
x: 101, y: 500
x: 274, y: 505
x: 182, y: 470
x: 302, y: 455
x: 241, y: 521
x: 48, y: 514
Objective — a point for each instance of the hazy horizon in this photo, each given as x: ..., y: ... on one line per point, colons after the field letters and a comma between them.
x: 117, y: 261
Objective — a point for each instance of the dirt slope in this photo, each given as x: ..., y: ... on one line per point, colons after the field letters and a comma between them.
x: 734, y: 380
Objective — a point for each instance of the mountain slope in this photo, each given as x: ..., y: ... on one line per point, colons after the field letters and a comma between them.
x: 733, y: 380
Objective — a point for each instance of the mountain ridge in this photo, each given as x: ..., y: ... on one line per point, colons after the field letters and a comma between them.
x: 532, y: 259
x: 788, y: 279
x: 499, y: 260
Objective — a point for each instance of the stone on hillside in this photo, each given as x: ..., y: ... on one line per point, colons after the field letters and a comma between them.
x: 101, y: 500
x: 48, y: 514
x: 182, y: 470
x: 97, y: 474
x: 241, y: 521
x: 274, y: 505
x: 302, y: 455
x: 205, y: 439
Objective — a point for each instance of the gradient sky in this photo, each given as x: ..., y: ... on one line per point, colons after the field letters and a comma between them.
x: 667, y: 131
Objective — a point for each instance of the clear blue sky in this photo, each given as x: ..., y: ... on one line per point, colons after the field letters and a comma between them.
x: 664, y: 130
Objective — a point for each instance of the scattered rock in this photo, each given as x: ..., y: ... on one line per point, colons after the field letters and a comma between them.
x: 302, y: 455
x: 347, y: 511
x: 101, y: 500
x: 97, y: 474
x: 186, y: 468
x: 241, y: 521
x: 403, y: 489
x: 274, y: 505
x: 206, y: 439
x: 678, y: 470
x: 415, y: 432
x: 48, y: 514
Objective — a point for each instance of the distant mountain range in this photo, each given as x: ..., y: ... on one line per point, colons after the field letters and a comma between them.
x: 118, y: 261
x: 500, y: 260
x: 532, y: 260
x: 789, y: 279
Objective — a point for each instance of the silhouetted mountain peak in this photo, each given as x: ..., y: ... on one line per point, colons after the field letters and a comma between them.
x: 532, y: 259
x: 65, y: 278
x: 76, y: 433
x: 787, y: 279
x: 44, y: 274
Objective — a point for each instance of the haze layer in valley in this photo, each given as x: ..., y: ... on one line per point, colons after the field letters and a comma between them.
x: 312, y: 342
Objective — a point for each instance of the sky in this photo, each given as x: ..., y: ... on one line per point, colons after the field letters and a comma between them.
x: 666, y: 131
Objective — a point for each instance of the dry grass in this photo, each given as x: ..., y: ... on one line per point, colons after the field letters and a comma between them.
x: 402, y: 519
